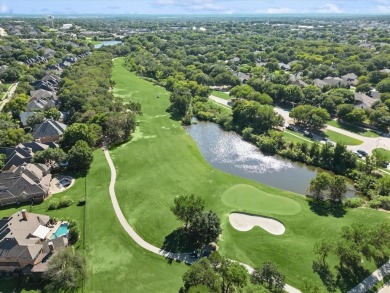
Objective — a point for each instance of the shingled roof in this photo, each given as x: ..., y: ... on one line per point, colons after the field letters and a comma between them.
x: 49, y: 127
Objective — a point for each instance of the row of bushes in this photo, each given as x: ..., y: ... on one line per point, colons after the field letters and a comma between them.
x: 64, y: 202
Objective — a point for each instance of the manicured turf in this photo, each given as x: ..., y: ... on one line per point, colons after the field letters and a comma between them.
x: 115, y: 262
x: 221, y: 95
x: 295, y: 137
x: 164, y: 162
x: 341, y: 138
x: 385, y: 154
x: 250, y: 199
x: 353, y: 128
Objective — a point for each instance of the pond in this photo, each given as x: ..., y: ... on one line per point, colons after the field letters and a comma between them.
x: 228, y: 152
x: 107, y: 43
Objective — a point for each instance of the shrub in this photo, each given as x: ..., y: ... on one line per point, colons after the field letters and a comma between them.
x: 380, y: 202
x: 53, y: 204
x: 65, y: 202
x: 354, y: 203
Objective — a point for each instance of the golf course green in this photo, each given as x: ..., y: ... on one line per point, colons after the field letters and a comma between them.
x: 250, y: 199
x: 162, y: 162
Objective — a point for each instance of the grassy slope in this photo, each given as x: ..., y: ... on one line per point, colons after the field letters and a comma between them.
x: 163, y: 162
x: 352, y: 128
x: 115, y: 262
x: 341, y: 138
x: 384, y: 153
x: 221, y: 95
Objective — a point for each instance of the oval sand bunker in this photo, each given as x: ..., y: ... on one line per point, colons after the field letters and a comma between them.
x: 244, y: 222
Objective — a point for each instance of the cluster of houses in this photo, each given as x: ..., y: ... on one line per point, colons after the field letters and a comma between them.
x: 22, y: 180
x: 28, y: 241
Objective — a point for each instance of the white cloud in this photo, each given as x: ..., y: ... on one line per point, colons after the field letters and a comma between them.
x: 280, y: 10
x: 383, y: 8
x: 4, y: 8
x: 329, y: 8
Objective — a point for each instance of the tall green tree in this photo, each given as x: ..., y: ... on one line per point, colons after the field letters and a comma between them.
x: 80, y: 156
x: 66, y: 272
x: 269, y: 275
x: 186, y: 207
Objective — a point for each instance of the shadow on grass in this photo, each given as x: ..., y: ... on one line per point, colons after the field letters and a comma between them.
x: 17, y: 285
x: 179, y: 241
x: 347, y: 277
x: 327, y: 208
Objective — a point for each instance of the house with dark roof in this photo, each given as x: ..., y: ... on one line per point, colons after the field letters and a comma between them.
x: 26, y: 183
x: 362, y: 101
x: 350, y: 79
x: 243, y: 77
x: 25, y: 243
x: 49, y: 131
x: 22, y: 153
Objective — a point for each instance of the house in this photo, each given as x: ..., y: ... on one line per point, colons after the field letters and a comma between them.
x: 26, y: 183
x: 49, y: 131
x: 299, y: 83
x: 362, y: 101
x: 25, y: 244
x: 350, y: 79
x: 243, y: 77
x: 334, y: 81
x: 22, y: 153
x: 48, y: 53
x: 284, y: 66
x: 39, y: 104
x: 319, y: 83
x: 43, y: 94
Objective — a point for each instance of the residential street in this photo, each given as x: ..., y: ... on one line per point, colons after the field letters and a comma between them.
x: 8, y: 95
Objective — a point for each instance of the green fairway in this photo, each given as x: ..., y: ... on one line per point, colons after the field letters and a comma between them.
x: 163, y: 162
x: 385, y: 154
x: 250, y: 199
x: 353, y: 128
x: 341, y: 138
x: 115, y: 262
x: 221, y: 95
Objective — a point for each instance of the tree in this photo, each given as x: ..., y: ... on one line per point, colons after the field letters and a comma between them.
x: 383, y: 186
x: 323, y: 249
x: 13, y: 136
x: 319, y: 185
x: 180, y: 101
x: 201, y: 273
x: 269, y: 275
x: 10, y: 75
x: 233, y: 275
x: 79, y: 131
x: 186, y: 207
x: 52, y: 113
x: 36, y: 118
x: 80, y: 156
x: 337, y: 188
x: 49, y: 155
x: 356, y: 116
x: 384, y: 86
x: 66, y: 272
x: 205, y: 227
x: 17, y: 105
x: 117, y: 127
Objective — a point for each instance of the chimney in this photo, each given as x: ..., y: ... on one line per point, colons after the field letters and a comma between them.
x: 51, y: 247
x: 25, y: 215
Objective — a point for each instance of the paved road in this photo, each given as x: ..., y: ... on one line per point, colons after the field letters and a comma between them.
x: 186, y: 257
x: 374, y: 278
x: 8, y: 95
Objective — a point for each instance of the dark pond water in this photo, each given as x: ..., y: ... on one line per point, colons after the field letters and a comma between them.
x: 107, y: 43
x: 228, y: 152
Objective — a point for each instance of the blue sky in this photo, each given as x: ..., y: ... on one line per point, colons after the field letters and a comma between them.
x: 192, y: 6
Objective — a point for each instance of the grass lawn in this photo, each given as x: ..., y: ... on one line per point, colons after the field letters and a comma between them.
x: 250, y: 199
x: 221, y: 95
x: 353, y: 128
x: 295, y: 137
x: 383, y: 153
x: 341, y: 138
x: 163, y: 162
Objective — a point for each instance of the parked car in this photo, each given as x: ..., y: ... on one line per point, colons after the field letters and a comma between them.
x: 358, y: 154
x: 308, y: 134
x: 363, y: 153
x: 290, y: 127
x: 384, y: 164
x: 326, y: 139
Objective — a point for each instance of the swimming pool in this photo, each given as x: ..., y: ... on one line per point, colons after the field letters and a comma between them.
x: 63, y: 229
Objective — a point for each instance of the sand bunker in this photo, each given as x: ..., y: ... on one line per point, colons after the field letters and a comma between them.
x: 245, y: 222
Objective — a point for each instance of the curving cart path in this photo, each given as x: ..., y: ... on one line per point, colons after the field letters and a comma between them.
x: 185, y: 257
